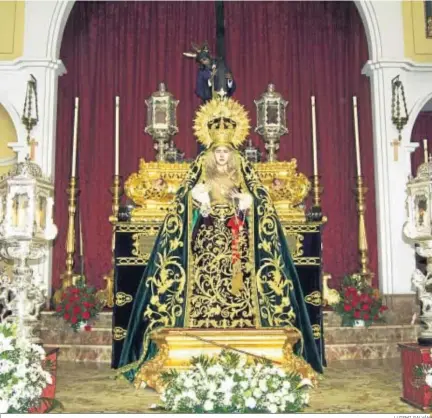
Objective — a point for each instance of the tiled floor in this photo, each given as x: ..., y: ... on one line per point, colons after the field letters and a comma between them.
x: 368, y: 386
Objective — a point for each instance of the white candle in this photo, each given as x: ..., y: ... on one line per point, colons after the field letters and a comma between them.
x: 314, y: 140
x: 117, y: 105
x: 425, y: 150
x: 75, y: 137
x: 356, y: 134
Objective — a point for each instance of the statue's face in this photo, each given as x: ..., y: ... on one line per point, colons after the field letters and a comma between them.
x: 222, y: 155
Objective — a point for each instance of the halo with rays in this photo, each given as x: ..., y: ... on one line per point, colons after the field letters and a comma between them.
x: 217, y: 110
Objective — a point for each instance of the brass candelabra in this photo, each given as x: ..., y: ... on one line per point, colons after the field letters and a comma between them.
x: 363, y: 249
x: 106, y: 295
x: 69, y: 277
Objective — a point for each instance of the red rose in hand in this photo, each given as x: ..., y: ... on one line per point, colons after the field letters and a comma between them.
x: 74, y: 320
x: 87, y: 328
x: 66, y: 316
x: 357, y: 314
x: 86, y: 315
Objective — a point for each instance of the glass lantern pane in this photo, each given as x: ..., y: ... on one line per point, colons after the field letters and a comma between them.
x: 160, y: 113
x: 273, y: 113
x: 260, y: 115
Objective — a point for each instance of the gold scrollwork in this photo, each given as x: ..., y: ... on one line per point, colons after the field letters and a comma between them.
x: 150, y: 373
x: 133, y: 261
x: 302, y: 228
x: 148, y: 229
x: 295, y: 244
x: 307, y: 261
x: 142, y: 244
x: 123, y: 298
x: 296, y: 364
x: 316, y: 331
x: 314, y: 298
x: 119, y: 333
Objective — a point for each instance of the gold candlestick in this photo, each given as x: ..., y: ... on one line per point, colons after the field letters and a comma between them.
x: 315, y: 214
x: 363, y: 249
x: 68, y: 277
x: 106, y: 295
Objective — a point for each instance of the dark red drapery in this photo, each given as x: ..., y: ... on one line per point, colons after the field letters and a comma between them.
x: 422, y: 130
x: 126, y: 48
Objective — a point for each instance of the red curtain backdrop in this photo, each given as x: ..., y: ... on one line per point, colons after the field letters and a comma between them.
x: 422, y: 130
x: 125, y: 49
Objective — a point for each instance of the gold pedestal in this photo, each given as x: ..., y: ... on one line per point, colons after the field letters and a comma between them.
x: 178, y: 345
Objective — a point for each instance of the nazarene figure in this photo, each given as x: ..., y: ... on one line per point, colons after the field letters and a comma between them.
x: 213, y: 75
x: 221, y: 259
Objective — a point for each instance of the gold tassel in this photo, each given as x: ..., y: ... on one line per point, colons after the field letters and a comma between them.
x: 237, y: 278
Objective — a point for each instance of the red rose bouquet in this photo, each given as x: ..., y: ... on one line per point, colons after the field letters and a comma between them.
x: 78, y: 305
x: 359, y: 301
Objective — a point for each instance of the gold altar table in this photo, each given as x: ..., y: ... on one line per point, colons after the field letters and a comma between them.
x: 178, y: 345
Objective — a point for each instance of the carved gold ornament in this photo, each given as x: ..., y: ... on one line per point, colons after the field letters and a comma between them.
x: 123, y: 298
x: 155, y: 185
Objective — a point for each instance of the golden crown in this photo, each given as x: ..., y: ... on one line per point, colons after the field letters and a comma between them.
x: 221, y: 122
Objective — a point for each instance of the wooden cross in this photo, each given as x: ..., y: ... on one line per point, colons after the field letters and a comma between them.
x: 395, y: 144
x: 33, y: 145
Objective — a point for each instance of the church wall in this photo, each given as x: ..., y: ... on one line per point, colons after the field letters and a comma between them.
x: 386, y: 31
x: 11, y: 29
x: 7, y: 135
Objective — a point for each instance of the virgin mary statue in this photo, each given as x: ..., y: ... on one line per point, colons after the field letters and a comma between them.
x: 221, y: 259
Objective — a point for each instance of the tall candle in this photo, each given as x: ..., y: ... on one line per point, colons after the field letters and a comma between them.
x: 80, y: 236
x: 356, y: 134
x: 425, y: 150
x: 314, y: 140
x: 117, y: 104
x: 75, y: 137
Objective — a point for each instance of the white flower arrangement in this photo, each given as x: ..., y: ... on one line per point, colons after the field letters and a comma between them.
x: 228, y: 383
x: 22, y: 377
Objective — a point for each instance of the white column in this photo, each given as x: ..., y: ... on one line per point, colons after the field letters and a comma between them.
x: 395, y: 255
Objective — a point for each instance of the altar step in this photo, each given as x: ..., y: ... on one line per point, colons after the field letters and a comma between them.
x: 341, y: 343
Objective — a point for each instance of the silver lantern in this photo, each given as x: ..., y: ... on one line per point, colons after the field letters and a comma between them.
x: 271, y: 120
x: 26, y: 228
x: 418, y: 229
x: 161, y: 119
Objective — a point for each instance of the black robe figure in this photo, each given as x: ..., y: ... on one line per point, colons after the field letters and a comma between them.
x: 213, y: 75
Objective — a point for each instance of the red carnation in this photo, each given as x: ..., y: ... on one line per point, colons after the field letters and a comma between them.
x: 357, y: 314
x: 86, y: 315
x: 375, y: 317
x: 365, y: 307
x: 347, y: 307
x: 76, y: 309
x: 74, y: 320
x: 383, y: 308
x: 59, y: 308
x: 366, y: 316
x: 66, y: 316
x: 67, y: 307
x: 87, y: 328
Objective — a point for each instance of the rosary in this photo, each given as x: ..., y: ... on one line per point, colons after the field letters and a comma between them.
x: 398, y: 120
